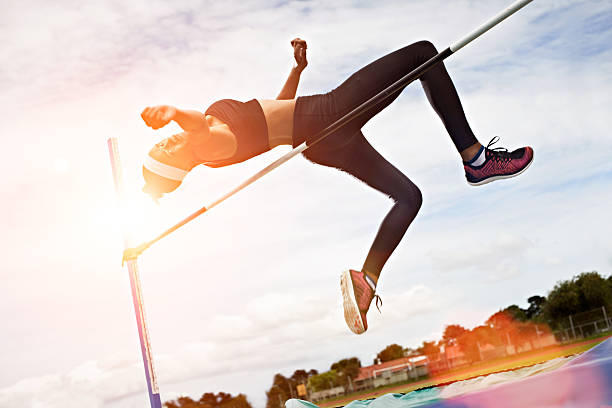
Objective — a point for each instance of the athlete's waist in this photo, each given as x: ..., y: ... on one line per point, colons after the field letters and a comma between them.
x: 278, y: 114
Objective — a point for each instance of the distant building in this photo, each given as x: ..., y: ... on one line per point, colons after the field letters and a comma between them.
x: 394, y: 371
x: 326, y: 394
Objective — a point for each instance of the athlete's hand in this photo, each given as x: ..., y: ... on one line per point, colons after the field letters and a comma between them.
x: 158, y: 116
x: 299, y: 53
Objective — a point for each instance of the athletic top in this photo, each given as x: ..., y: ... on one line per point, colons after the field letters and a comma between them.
x: 248, y: 123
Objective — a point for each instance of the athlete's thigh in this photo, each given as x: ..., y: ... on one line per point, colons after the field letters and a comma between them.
x: 359, y: 159
x: 378, y: 75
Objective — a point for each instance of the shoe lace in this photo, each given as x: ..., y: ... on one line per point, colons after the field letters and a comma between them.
x: 360, y: 292
x: 499, y: 154
x: 378, y: 302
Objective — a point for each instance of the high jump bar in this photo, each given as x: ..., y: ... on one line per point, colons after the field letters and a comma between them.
x: 132, y: 253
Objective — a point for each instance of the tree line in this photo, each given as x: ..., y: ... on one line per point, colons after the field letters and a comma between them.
x: 515, y: 325
x: 210, y: 400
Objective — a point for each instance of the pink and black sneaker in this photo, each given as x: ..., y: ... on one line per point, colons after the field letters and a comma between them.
x: 357, y: 295
x: 499, y: 164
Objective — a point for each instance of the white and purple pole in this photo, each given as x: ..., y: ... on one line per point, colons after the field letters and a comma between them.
x: 132, y: 265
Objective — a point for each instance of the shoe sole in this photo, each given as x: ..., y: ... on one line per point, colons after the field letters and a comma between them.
x: 501, y: 177
x: 352, y: 316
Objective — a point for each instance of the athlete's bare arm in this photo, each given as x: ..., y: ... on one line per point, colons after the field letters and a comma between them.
x: 195, y: 125
x: 159, y: 116
x: 299, y: 53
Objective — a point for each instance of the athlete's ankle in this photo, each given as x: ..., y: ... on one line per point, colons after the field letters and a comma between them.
x: 469, y: 154
x: 371, y: 278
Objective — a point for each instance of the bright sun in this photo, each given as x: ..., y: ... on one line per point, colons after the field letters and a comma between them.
x: 138, y: 214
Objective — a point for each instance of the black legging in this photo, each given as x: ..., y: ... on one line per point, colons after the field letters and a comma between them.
x: 348, y: 150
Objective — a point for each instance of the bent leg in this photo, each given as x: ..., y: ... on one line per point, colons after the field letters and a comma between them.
x: 361, y: 160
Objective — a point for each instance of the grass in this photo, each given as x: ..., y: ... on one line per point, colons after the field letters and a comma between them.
x: 476, y: 370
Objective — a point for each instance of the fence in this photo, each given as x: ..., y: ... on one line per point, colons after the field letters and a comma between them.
x: 585, y: 324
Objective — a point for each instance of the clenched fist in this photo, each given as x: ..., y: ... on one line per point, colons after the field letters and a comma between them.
x: 299, y: 53
x: 158, y: 116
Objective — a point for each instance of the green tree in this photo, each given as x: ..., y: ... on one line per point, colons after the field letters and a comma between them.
x: 347, y: 368
x: 324, y: 380
x: 505, y: 325
x: 430, y: 349
x: 279, y: 392
x: 391, y: 352
x: 500, y: 320
x: 214, y: 400
x: 301, y: 376
x: 487, y: 335
x: 284, y: 388
x: 517, y: 313
x: 275, y: 397
x: 468, y: 343
x: 594, y: 291
x: 451, y: 333
x: 239, y: 401
x: 182, y: 402
x: 562, y: 301
x: 210, y: 400
x: 536, y: 304
x: 584, y: 292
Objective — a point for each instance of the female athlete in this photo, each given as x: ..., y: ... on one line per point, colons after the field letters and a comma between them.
x: 230, y: 132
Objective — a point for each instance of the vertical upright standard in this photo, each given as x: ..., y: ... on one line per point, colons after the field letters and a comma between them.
x: 132, y: 264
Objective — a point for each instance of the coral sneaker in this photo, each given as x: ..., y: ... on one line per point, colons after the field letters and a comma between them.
x: 357, y: 295
x: 499, y: 164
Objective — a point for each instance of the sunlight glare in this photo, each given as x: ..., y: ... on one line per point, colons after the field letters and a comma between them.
x: 61, y: 165
x: 139, y: 217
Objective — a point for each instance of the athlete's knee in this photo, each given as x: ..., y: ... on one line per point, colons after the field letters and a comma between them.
x: 417, y: 197
x: 426, y: 48
x: 410, y: 195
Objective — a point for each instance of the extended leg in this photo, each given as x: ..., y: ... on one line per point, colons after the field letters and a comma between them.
x: 481, y: 165
x: 436, y: 83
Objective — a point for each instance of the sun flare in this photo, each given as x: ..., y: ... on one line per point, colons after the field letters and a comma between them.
x: 137, y: 214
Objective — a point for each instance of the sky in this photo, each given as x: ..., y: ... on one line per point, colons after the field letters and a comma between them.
x: 252, y: 288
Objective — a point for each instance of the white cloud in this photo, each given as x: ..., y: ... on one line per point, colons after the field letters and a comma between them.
x: 86, y: 385
x: 487, y: 253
